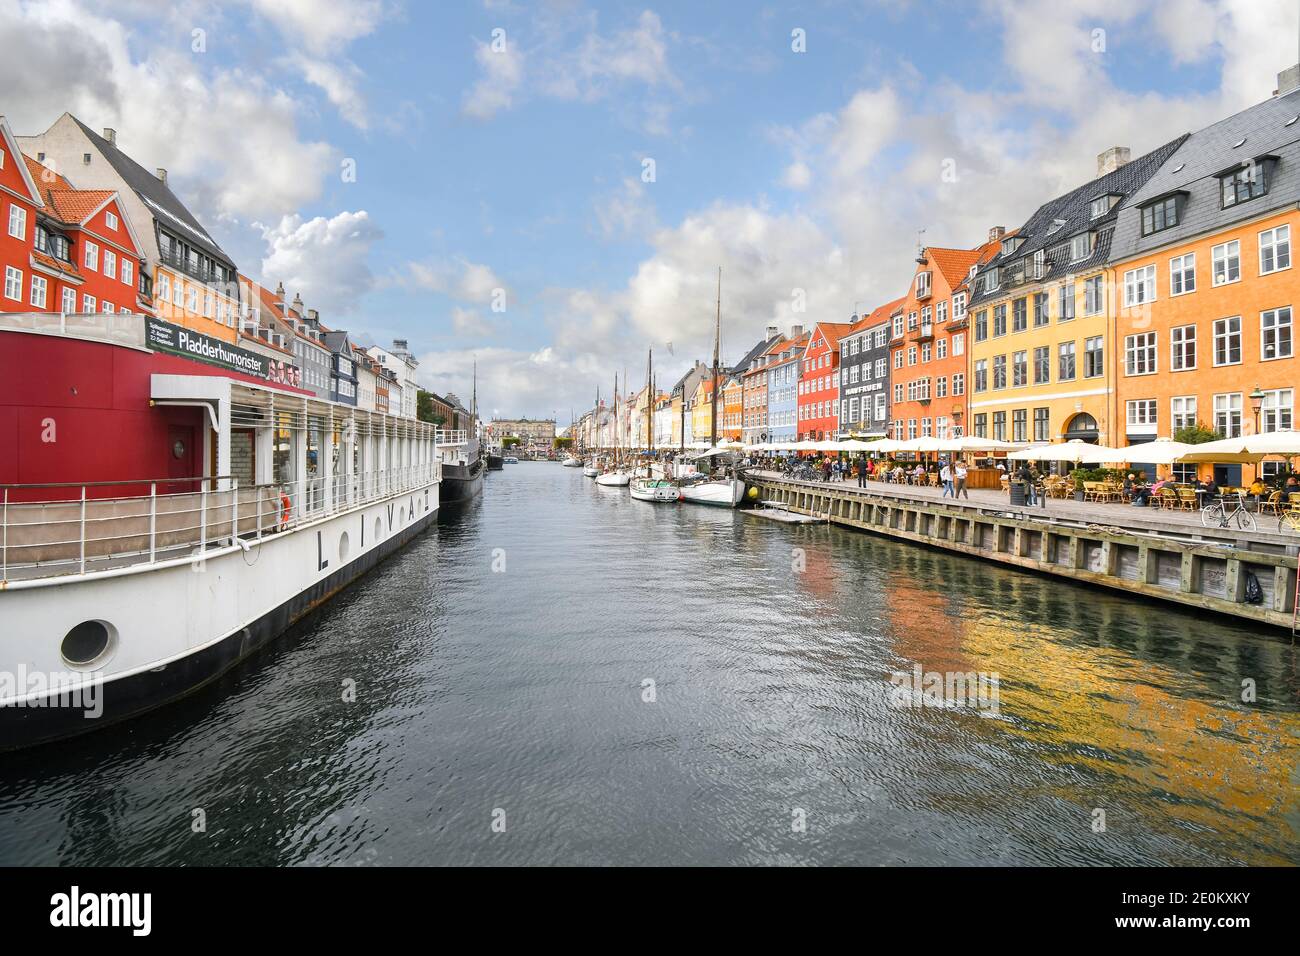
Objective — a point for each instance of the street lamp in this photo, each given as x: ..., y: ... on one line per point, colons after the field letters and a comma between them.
x: 1256, y: 403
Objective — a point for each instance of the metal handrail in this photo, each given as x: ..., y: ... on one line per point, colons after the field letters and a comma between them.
x: 204, y: 521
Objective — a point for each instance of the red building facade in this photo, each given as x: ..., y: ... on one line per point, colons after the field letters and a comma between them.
x: 819, y: 382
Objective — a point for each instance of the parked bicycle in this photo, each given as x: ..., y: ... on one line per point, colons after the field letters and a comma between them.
x: 1288, y: 519
x: 1220, y: 514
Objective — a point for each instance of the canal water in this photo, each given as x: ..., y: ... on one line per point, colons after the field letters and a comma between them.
x: 560, y: 674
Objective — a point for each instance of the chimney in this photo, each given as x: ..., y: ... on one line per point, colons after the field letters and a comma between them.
x: 110, y: 135
x: 297, y: 302
x: 313, y: 315
x: 772, y: 332
x: 996, y: 233
x: 1288, y: 81
x: 162, y: 175
x: 796, y: 331
x: 1112, y: 159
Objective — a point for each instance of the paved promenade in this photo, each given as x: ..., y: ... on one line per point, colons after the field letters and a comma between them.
x: 1149, y: 519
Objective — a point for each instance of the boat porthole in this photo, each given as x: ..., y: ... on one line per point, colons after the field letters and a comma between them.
x: 343, y: 547
x: 379, y: 530
x: 88, y: 644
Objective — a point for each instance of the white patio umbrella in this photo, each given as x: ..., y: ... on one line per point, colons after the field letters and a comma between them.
x: 853, y: 444
x: 886, y: 446
x: 829, y: 446
x: 1247, y: 448
x: 970, y: 443
x: 1162, y: 451
x: 1075, y: 450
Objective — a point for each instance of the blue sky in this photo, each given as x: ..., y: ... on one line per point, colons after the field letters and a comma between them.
x: 518, y: 167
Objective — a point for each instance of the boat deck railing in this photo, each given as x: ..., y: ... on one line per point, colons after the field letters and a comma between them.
x: 56, y: 530
x: 456, y: 436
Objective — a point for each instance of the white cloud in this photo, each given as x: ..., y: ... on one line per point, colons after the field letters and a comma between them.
x: 627, y: 212
x: 321, y: 26
x: 228, y: 137
x: 339, y: 81
x: 471, y: 282
x: 572, y: 60
x: 324, y: 259
x: 494, y: 91
x: 797, y: 176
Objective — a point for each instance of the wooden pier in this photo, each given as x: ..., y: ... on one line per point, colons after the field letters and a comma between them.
x: 1196, y: 567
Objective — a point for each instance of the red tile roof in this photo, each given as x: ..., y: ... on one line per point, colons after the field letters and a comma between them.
x: 833, y: 332
x: 877, y: 315
x: 66, y: 269
x: 75, y: 205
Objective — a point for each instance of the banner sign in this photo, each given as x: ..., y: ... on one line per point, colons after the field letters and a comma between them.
x: 176, y: 340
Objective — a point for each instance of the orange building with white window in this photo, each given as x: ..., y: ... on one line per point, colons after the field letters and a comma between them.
x: 1203, y: 275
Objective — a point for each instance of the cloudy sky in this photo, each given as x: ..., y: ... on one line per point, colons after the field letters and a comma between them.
x: 550, y: 186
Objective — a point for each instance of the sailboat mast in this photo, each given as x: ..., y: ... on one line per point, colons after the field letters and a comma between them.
x: 650, y: 400
x: 717, y: 341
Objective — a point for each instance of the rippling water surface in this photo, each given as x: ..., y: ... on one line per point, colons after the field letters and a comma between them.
x: 519, y: 692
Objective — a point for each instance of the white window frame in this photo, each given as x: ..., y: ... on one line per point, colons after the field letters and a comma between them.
x: 1139, y: 286
x: 13, y: 283
x: 1182, y: 268
x: 17, y: 221
x: 1141, y: 354
x: 1180, y: 337
x: 1182, y: 412
x: 1272, y: 330
x: 90, y: 257
x: 1223, y: 332
x: 1224, y: 254
x: 1279, y: 239
x: 45, y: 292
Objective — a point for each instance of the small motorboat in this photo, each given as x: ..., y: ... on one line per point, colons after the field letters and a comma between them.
x: 614, y: 479
x: 572, y: 462
x: 590, y: 469
x: 654, y: 489
x: 721, y: 493
x: 512, y: 460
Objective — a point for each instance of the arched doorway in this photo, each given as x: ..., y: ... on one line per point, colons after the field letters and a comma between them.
x: 1083, y: 427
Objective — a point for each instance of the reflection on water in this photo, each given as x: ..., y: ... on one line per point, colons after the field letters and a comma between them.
x: 770, y: 649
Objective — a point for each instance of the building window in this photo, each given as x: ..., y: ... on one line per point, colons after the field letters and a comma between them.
x: 941, y: 349
x: 1245, y: 184
x: 128, y: 272
x: 110, y: 220
x: 1093, y: 290
x: 1065, y: 365
x: 1159, y: 215
x: 88, y: 304
x: 999, y: 371
x: 1142, y: 414
x: 1040, y: 309
x: 13, y: 284
x: 1274, y: 250
x: 1226, y: 263
x: 898, y: 392
x: 1000, y: 319
x: 1000, y: 426
x: 981, y: 425
x: 1019, y: 315
x: 911, y: 355
x: 1275, y: 334
x: 1182, y: 348
x: 1019, y: 369
x: 1227, y: 341
x: 39, y: 288
x: 69, y: 303
x: 1140, y: 354
x: 110, y: 264
x: 925, y: 353
x: 959, y: 344
x: 1182, y: 274
x: 1042, y: 425
x: 911, y: 321
x: 922, y: 284
x: 92, y: 257
x: 1020, y: 424
x: 981, y: 325
x: 898, y: 326
x: 1139, y: 286
x: 1042, y: 365
x: 1080, y: 246
x: 17, y: 221
x: 898, y: 359
x: 1275, y: 415
x: 1094, y: 355
x: 982, y: 375
x: 959, y: 306
x: 1227, y: 414
x: 941, y: 387
x: 1182, y: 412
x: 1066, y: 302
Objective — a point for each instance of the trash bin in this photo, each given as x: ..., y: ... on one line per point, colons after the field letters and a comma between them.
x: 1017, y: 489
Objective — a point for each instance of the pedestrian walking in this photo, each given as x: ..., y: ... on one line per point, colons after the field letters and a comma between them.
x: 960, y: 477
x: 945, y: 478
x: 862, y: 471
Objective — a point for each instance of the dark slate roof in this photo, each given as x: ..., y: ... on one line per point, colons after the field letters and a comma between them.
x: 1071, y: 214
x: 688, y: 382
x: 1207, y: 153
x: 337, y: 342
x: 157, y: 195
x: 759, y: 348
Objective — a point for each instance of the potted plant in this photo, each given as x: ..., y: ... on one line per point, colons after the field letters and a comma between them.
x: 1078, y: 476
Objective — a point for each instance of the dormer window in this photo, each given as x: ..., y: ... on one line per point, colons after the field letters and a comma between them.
x: 991, y: 279
x: 1161, y: 213
x: 1080, y: 246
x: 922, y: 284
x: 1055, y: 226
x: 1009, y: 246
x: 1243, y: 184
x: 1103, y: 204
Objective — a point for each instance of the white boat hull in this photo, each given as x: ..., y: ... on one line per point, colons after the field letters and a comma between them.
x: 572, y: 463
x: 728, y: 493
x: 614, y: 479
x: 654, y: 490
